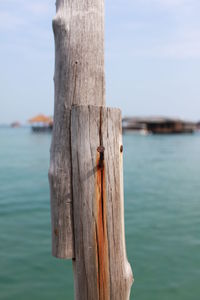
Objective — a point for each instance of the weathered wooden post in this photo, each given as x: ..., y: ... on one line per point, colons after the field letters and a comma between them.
x: 85, y: 174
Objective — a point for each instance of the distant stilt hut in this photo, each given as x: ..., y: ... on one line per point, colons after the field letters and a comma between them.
x: 41, y: 123
x: 158, y: 125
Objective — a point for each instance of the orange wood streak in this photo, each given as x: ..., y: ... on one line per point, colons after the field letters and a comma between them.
x: 101, y: 233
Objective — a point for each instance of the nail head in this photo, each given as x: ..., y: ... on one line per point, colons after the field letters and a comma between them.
x: 100, y: 149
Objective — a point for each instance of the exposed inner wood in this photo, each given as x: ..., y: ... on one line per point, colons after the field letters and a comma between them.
x: 101, y: 225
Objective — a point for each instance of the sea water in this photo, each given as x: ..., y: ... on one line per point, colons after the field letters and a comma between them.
x: 162, y: 217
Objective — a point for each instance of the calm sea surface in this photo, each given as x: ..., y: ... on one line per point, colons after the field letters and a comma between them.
x: 162, y: 210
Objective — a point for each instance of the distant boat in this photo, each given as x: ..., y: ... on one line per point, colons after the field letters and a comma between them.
x: 15, y: 124
x: 41, y: 123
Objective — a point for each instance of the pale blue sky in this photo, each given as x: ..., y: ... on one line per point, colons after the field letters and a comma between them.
x: 152, y: 57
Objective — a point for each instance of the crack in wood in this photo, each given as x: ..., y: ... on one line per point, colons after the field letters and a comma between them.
x: 101, y: 232
x: 75, y: 79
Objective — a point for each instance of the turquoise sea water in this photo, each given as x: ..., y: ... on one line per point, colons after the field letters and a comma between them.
x: 162, y: 210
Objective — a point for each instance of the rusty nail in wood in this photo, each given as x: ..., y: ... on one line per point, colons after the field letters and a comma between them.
x: 121, y: 148
x: 101, y: 149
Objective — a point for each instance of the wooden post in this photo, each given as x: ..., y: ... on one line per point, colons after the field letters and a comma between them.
x: 79, y: 79
x: 86, y: 173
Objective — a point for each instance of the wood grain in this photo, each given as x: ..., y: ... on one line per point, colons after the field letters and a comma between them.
x: 79, y: 46
x: 60, y: 187
x: 101, y: 269
x: 86, y: 163
x: 79, y: 79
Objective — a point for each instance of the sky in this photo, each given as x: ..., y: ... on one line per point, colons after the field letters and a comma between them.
x: 152, y: 51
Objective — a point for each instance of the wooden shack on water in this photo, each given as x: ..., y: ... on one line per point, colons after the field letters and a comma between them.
x: 41, y: 123
x: 158, y: 125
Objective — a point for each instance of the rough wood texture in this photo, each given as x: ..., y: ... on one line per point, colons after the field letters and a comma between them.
x: 60, y: 187
x: 79, y: 46
x: 79, y: 79
x: 101, y: 269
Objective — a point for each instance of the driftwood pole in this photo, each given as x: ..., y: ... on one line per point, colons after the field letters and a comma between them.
x: 86, y: 172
